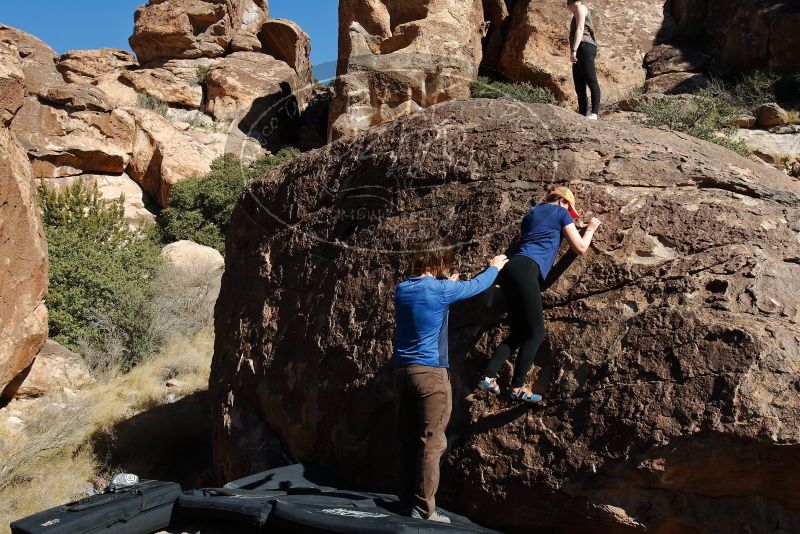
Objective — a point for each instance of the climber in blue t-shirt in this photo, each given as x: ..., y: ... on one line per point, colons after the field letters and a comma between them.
x: 422, y: 376
x: 542, y: 229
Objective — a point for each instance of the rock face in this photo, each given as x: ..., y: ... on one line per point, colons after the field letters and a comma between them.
x: 535, y: 44
x: 732, y: 35
x: 23, y: 253
x: 286, y: 41
x: 55, y: 367
x: 34, y: 58
x: 86, y: 66
x: 138, y: 206
x: 671, y: 363
x: 239, y: 80
x: 772, y: 147
x: 396, y: 57
x: 190, y: 29
x: 162, y: 155
x: 742, y: 34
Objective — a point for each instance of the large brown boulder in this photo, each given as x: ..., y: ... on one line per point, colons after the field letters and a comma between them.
x: 286, y: 41
x: 670, y: 367
x: 60, y: 143
x: 244, y: 80
x: 396, y: 57
x: 86, y: 66
x: 165, y: 86
x: 23, y: 254
x: 535, y: 44
x: 190, y: 29
x: 35, y: 58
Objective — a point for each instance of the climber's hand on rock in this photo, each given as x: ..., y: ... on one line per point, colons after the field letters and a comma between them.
x: 499, y: 262
x: 594, y: 224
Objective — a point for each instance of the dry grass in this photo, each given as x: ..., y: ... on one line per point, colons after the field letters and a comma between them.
x: 794, y: 116
x: 50, y: 462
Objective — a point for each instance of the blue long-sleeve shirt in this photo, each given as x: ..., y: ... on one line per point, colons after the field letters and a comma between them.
x: 421, y: 309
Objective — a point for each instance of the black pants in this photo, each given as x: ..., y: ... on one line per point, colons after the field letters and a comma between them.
x: 584, y: 73
x: 521, y: 282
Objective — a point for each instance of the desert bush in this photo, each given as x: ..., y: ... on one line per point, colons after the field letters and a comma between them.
x: 754, y: 89
x: 200, y: 208
x: 524, y: 92
x: 48, y: 431
x: 101, y: 270
x: 707, y: 115
x: 184, y: 302
x: 147, y: 101
x: 201, y: 73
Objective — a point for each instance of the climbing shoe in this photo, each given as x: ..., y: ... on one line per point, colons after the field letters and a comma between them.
x: 526, y: 396
x: 489, y: 386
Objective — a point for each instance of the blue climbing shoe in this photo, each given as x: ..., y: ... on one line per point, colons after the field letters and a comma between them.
x: 526, y: 396
x: 489, y: 385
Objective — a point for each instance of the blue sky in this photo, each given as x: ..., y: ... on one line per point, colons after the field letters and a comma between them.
x: 77, y: 24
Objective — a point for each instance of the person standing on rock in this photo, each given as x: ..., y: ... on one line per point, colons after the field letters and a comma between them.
x: 583, y: 52
x: 422, y: 376
x: 542, y: 230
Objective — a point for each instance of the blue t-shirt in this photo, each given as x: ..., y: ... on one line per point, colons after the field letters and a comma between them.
x: 421, y: 308
x: 541, y: 234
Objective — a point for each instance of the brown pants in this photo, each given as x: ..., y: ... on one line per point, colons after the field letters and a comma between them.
x: 425, y: 402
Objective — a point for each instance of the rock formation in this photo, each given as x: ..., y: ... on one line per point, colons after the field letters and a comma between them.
x: 134, y: 126
x: 733, y: 36
x: 84, y: 114
x: 535, y: 45
x: 671, y: 363
x: 190, y: 29
x: 23, y: 254
x: 396, y: 57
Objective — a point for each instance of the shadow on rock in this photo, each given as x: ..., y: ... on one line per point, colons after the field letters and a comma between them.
x: 170, y: 442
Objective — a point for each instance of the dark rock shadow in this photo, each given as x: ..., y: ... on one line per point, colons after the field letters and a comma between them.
x: 277, y: 121
x: 273, y: 119
x: 170, y: 442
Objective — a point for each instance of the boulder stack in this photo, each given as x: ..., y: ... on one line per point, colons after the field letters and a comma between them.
x: 191, y: 29
x: 671, y: 362
x: 398, y: 56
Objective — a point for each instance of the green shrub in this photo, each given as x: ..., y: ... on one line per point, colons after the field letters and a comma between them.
x: 707, y: 115
x: 754, y: 89
x: 147, y: 101
x: 200, y: 208
x: 524, y: 92
x: 201, y: 73
x: 100, y: 273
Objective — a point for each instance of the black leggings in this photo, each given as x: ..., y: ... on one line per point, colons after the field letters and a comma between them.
x: 520, y: 281
x: 584, y: 73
